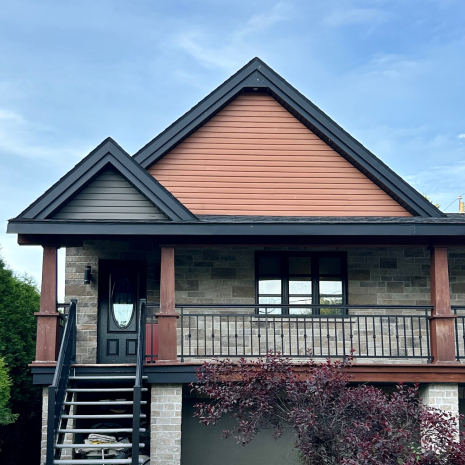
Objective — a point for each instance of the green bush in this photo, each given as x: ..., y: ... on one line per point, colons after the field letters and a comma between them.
x: 6, y: 417
x: 19, y: 299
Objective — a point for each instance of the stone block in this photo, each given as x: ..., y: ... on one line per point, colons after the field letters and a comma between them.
x: 458, y: 288
x: 394, y: 286
x: 210, y: 254
x: 243, y: 291
x: 414, y: 252
x: 390, y: 263
x: 223, y: 273
x: 187, y: 285
x: 359, y: 275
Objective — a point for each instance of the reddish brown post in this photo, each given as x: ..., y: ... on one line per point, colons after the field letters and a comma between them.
x: 47, y: 318
x: 442, y: 319
x: 167, y: 318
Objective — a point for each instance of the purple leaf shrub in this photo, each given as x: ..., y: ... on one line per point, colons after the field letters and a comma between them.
x: 334, y: 422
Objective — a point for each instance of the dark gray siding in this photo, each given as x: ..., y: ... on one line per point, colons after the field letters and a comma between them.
x: 202, y: 444
x: 110, y: 197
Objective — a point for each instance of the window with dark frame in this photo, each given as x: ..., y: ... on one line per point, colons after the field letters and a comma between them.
x: 301, y: 278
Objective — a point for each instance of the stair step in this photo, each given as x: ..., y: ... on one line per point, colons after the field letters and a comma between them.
x: 111, y: 402
x: 99, y: 431
x: 116, y: 377
x: 94, y: 461
x: 103, y: 390
x: 124, y: 415
x: 96, y: 446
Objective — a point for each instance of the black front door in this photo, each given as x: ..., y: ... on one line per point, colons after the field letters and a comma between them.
x: 122, y: 283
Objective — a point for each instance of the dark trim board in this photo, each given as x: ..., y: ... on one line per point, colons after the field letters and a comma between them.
x: 186, y: 373
x: 191, y: 229
x: 257, y: 76
x: 257, y: 241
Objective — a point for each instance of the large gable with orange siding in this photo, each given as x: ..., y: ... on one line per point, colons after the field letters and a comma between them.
x: 256, y: 158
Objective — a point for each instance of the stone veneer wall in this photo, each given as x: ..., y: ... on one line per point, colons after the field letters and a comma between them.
x: 43, y: 440
x: 87, y: 294
x: 377, y: 275
x: 165, y: 424
x: 442, y: 396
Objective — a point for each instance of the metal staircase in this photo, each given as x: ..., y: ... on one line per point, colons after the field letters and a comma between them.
x: 112, y: 402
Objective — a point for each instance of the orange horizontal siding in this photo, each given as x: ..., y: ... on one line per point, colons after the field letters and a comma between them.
x: 255, y: 158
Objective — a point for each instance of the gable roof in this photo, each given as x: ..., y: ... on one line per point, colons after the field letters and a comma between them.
x: 257, y: 76
x: 107, y: 154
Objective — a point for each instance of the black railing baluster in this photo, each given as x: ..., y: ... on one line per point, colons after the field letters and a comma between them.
x: 243, y: 335
x: 374, y: 335
x: 457, y: 348
x: 366, y: 335
x: 221, y: 333
x: 343, y: 322
x: 297, y: 334
x: 182, y: 334
x: 413, y: 337
x: 405, y: 337
x: 137, y: 392
x: 335, y: 335
x: 382, y: 334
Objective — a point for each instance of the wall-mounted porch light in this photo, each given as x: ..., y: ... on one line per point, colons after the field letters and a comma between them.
x: 87, y: 274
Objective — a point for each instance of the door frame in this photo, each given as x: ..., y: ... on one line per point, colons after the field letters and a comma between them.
x: 103, y: 302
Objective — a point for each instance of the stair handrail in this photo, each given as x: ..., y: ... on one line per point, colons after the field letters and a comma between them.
x: 57, y: 390
x: 138, y: 382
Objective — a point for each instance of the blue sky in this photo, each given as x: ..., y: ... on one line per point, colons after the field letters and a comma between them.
x: 391, y: 72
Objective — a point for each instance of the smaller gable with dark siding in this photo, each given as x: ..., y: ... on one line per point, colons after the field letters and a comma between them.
x: 107, y: 185
x: 109, y: 197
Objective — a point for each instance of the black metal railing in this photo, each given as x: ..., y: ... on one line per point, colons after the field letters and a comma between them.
x: 151, y: 332
x: 366, y: 331
x: 57, y: 391
x: 63, y: 310
x: 138, y: 383
x: 459, y: 311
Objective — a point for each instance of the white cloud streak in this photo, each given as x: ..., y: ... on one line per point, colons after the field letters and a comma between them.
x: 24, y: 138
x: 342, y: 17
x: 201, y: 46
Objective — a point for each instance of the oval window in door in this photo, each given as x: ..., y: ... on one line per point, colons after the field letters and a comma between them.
x: 122, y: 301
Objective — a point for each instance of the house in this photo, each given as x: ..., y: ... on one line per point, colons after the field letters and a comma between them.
x: 253, y: 223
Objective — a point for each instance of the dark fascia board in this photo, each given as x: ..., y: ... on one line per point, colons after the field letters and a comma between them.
x: 257, y: 74
x: 61, y: 227
x: 108, y: 153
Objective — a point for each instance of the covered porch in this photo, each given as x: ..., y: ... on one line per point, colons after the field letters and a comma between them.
x: 389, y: 305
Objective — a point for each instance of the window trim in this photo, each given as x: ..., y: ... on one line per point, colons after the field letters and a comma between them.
x: 315, y: 275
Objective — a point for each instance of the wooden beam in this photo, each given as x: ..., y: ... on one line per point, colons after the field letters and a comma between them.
x: 442, y: 319
x: 167, y: 317
x: 47, y: 318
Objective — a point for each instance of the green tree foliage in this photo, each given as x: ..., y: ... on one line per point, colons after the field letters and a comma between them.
x: 19, y: 299
x: 6, y: 417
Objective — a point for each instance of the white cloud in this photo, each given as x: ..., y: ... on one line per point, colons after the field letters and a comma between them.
x: 461, y: 136
x: 341, y: 17
x: 24, y: 138
x: 211, y: 54
x: 391, y: 66
x: 441, y: 183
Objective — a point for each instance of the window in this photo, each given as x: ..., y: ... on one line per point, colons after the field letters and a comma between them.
x: 300, y: 278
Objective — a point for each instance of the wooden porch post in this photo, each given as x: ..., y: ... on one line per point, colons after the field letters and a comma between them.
x: 47, y: 318
x: 442, y: 319
x: 167, y: 334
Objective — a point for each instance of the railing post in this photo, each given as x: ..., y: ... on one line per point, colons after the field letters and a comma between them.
x: 442, y: 319
x: 137, y: 393
x: 167, y: 317
x: 47, y: 318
